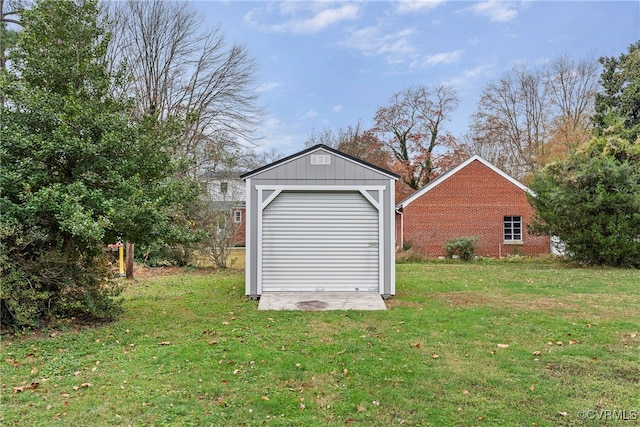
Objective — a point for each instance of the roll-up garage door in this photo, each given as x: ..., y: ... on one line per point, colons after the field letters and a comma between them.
x: 320, y: 241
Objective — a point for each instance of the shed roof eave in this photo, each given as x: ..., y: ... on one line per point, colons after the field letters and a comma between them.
x: 299, y: 154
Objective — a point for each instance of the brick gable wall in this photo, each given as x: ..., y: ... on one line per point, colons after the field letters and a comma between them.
x: 472, y: 202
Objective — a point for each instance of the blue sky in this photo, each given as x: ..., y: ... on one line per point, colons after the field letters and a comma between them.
x: 332, y: 64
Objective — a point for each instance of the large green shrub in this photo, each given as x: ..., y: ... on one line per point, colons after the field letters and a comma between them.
x: 591, y: 201
x: 77, y: 170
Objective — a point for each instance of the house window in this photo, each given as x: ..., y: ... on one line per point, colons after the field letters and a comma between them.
x: 237, y: 217
x: 512, y: 229
x: 224, y: 186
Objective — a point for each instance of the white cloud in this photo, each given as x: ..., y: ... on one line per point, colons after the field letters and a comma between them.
x: 395, y: 47
x: 275, y: 135
x: 444, y: 57
x: 337, y: 108
x: 495, y: 10
x: 470, y: 76
x: 266, y: 87
x: 320, y: 19
x: 310, y: 114
x: 410, y: 6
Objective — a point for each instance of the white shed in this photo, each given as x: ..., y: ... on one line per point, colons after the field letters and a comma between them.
x: 320, y: 220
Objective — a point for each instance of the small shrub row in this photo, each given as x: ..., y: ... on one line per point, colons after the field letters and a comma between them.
x: 463, y: 247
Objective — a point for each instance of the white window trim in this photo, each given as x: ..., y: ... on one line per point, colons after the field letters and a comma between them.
x: 320, y: 159
x: 512, y: 241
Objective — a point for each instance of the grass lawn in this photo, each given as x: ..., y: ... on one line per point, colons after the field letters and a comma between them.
x: 461, y: 344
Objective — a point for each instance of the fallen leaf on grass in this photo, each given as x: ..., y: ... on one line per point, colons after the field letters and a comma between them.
x: 22, y: 388
x: 12, y: 362
x: 376, y: 402
x: 564, y: 414
x: 416, y: 344
x: 164, y: 343
x: 502, y: 345
x: 361, y: 408
x: 34, y: 371
x: 572, y: 342
x: 537, y: 353
x: 465, y: 391
x: 83, y: 385
x: 213, y: 342
x: 265, y: 398
x: 435, y: 356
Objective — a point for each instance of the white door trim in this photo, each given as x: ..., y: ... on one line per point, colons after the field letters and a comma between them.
x: 362, y: 189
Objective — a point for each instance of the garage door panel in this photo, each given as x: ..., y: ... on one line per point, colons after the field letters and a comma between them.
x: 320, y: 241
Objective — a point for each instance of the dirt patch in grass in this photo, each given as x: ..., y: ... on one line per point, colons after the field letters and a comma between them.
x: 464, y: 299
x: 574, y: 303
x: 545, y: 304
x: 396, y: 302
x: 141, y: 271
x: 326, y: 330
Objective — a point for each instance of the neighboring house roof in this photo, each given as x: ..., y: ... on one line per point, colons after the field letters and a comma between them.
x: 221, y: 175
x: 439, y: 180
x: 317, y: 148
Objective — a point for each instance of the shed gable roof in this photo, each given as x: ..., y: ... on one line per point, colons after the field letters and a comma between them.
x: 315, y: 148
x: 455, y: 170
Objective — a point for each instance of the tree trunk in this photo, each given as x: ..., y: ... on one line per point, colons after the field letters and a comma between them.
x: 129, y: 262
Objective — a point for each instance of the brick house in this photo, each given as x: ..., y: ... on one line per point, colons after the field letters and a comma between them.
x: 473, y: 199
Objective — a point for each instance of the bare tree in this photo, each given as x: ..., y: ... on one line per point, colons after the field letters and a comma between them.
x: 571, y: 87
x: 215, y: 213
x: 511, y: 124
x: 354, y: 141
x: 177, y: 69
x: 334, y: 138
x: 529, y: 117
x: 411, y: 128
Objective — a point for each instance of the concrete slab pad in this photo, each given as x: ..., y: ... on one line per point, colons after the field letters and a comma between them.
x: 321, y: 301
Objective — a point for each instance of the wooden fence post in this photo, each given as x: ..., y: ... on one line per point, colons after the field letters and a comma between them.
x: 129, y: 269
